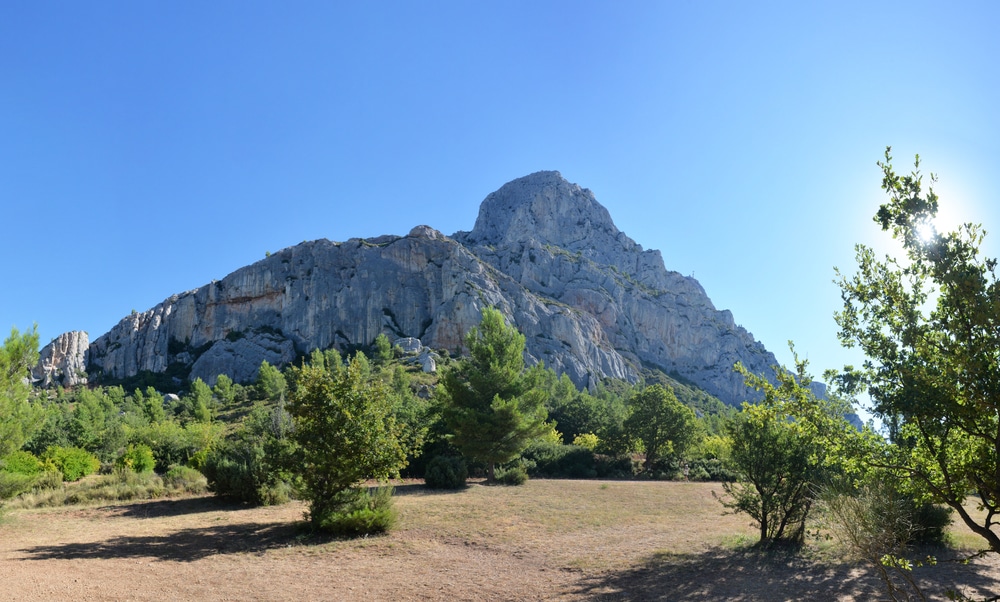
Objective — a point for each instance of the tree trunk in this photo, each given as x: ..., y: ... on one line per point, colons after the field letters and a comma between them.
x: 491, y: 474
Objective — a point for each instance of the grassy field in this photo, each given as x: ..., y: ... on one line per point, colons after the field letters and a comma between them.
x: 547, y: 540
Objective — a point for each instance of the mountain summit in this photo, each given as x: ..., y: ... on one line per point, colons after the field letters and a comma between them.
x: 589, y: 300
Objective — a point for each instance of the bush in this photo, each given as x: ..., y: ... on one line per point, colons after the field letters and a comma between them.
x: 929, y: 522
x: 514, y: 475
x: 240, y: 471
x: 22, y: 462
x: 74, y: 463
x: 587, y: 440
x: 554, y: 460
x: 711, y: 469
x: 185, y: 478
x: 446, y: 472
x: 362, y: 513
x: 138, y: 458
x: 14, y: 483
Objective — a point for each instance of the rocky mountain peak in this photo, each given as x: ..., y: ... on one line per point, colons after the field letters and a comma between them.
x: 546, y: 209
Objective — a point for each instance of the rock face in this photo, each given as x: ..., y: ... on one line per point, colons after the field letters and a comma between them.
x: 589, y: 300
x: 63, y: 361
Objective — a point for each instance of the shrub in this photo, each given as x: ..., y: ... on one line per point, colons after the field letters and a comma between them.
x: 587, y: 440
x: 446, y: 472
x: 138, y: 458
x: 185, y: 478
x: 361, y: 513
x: 14, y: 483
x: 929, y: 522
x: 74, y: 463
x: 514, y: 475
x: 22, y: 462
x: 711, y: 469
x: 554, y: 460
x: 240, y: 471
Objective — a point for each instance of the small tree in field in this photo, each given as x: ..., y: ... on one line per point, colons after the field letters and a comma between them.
x: 777, y: 449
x: 346, y: 432
x: 665, y: 426
x: 492, y: 406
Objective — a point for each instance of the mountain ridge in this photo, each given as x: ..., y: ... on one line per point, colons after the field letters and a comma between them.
x: 591, y: 302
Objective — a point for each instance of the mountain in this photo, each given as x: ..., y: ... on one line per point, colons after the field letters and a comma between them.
x: 590, y: 301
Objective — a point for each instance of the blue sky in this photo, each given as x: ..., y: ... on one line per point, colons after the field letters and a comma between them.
x: 148, y: 148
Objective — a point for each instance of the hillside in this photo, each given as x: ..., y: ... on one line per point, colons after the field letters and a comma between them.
x: 592, y: 303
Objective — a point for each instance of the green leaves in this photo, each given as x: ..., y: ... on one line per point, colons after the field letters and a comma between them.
x: 346, y: 431
x: 492, y: 406
x: 929, y: 324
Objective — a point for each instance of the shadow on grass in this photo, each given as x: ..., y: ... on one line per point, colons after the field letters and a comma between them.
x: 186, y: 545
x: 755, y: 574
x: 173, y: 507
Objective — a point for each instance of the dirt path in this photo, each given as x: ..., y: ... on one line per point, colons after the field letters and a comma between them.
x: 548, y: 541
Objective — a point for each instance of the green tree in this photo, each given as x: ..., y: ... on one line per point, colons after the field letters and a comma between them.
x: 492, y: 406
x: 381, y: 349
x: 929, y: 324
x: 19, y: 417
x: 665, y: 426
x: 270, y: 384
x: 199, y: 401
x: 224, y: 390
x: 346, y: 432
x: 779, y: 454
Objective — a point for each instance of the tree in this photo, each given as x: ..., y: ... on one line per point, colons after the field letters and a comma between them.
x: 492, y: 406
x: 19, y: 417
x: 270, y: 384
x: 665, y: 426
x: 929, y: 325
x: 381, y: 349
x: 777, y: 449
x: 346, y: 432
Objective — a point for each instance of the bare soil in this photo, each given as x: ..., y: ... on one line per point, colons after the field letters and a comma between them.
x: 547, y: 540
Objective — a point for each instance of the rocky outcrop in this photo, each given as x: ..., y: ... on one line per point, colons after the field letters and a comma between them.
x: 589, y: 300
x: 63, y: 361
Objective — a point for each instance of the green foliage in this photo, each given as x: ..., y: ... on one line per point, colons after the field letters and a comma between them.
x: 13, y: 484
x: 512, y: 475
x: 783, y: 448
x: 492, y: 406
x: 254, y: 464
x: 224, y: 390
x: 137, y: 458
x: 587, y: 441
x: 199, y: 402
x: 665, y: 427
x: 19, y: 416
x: 74, y: 463
x: 381, y: 349
x: 446, y: 472
x: 360, y: 513
x: 929, y: 324
x: 555, y: 460
x: 185, y: 478
x: 346, y: 432
x: 270, y: 384
x: 21, y: 462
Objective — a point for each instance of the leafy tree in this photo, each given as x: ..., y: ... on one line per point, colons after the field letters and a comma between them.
x: 492, y: 405
x: 929, y: 324
x: 19, y: 417
x: 665, y: 426
x: 270, y: 384
x: 346, y: 432
x: 382, y: 349
x: 780, y: 459
x: 199, y: 401
x: 224, y: 390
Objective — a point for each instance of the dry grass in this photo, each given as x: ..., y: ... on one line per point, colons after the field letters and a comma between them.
x: 570, y: 540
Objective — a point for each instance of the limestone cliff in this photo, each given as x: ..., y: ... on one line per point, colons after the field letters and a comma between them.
x: 590, y: 301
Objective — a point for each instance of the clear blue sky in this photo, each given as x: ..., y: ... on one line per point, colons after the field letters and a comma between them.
x: 147, y: 148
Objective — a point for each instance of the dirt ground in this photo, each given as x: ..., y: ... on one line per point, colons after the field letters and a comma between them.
x: 548, y: 540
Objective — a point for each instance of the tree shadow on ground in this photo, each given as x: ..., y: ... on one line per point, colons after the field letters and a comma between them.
x: 758, y: 575
x: 173, y: 507
x: 186, y: 545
